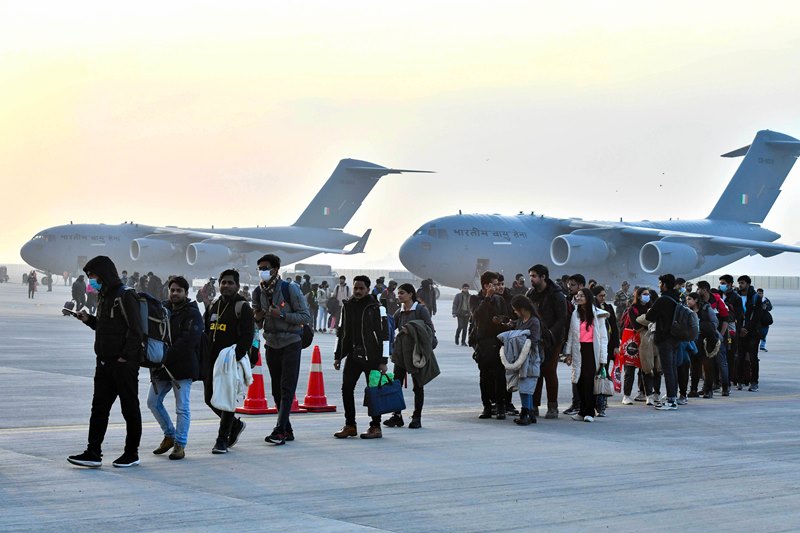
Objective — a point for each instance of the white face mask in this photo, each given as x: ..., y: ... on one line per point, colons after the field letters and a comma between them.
x: 265, y: 275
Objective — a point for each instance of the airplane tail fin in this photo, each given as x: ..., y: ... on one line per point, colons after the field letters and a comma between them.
x: 757, y: 182
x: 342, y: 195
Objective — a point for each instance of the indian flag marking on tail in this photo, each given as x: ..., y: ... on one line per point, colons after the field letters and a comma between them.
x: 744, y: 199
x: 326, y: 211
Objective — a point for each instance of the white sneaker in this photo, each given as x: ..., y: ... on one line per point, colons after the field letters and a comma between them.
x: 577, y: 418
x: 651, y: 400
x: 588, y: 419
x: 626, y: 400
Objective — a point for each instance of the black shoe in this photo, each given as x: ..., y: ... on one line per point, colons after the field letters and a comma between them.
x: 289, y: 435
x: 394, y: 421
x: 501, y: 412
x: 238, y: 427
x: 524, y: 418
x: 693, y: 394
x: 487, y: 413
x: 276, y: 437
x: 726, y: 392
x: 753, y: 387
x: 126, y: 459
x: 415, y: 423
x: 511, y: 410
x: 573, y: 410
x: 88, y: 459
x: 221, y: 446
x: 708, y: 395
x: 463, y: 344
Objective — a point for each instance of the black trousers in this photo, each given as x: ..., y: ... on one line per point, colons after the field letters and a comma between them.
x: 747, y: 359
x: 419, y: 393
x: 733, y: 351
x: 683, y: 375
x: 585, y: 383
x: 353, y: 370
x: 284, y: 370
x: 492, y: 377
x: 113, y: 379
x: 463, y: 326
x: 226, y: 418
x: 548, y: 372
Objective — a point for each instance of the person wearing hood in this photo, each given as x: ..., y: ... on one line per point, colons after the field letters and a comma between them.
x: 180, y: 367
x: 750, y: 332
x: 79, y: 293
x: 587, y: 343
x: 118, y: 347
x: 661, y: 313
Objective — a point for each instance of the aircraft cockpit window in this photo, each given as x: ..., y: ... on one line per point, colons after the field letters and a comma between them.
x: 441, y: 233
x: 432, y: 232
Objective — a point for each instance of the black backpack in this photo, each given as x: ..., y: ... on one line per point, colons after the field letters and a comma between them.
x: 685, y: 322
x: 307, y: 336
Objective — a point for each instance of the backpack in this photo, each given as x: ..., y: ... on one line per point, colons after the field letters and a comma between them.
x: 766, y: 318
x: 154, y: 318
x: 307, y: 336
x: 685, y: 322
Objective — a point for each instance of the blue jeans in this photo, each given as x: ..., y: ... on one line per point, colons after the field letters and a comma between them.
x: 155, y: 402
x: 322, y: 319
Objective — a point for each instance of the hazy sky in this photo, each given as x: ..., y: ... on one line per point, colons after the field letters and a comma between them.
x: 193, y: 113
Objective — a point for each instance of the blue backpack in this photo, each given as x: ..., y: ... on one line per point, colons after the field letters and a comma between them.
x: 154, y: 318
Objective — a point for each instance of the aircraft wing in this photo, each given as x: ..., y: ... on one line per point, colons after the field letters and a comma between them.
x: 248, y: 244
x: 699, y: 240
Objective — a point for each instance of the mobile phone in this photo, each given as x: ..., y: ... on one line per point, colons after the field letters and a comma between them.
x: 68, y: 312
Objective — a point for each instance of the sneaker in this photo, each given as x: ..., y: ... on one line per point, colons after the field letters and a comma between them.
x: 668, y: 406
x: 486, y: 413
x: 683, y: 400
x: 571, y: 411
x: 276, y: 437
x: 708, y: 395
x: 237, y: 430
x: 126, y: 459
x: 651, y: 400
x: 511, y: 410
x: 374, y: 432
x: 738, y: 386
x: 165, y: 446
x: 626, y: 400
x: 725, y: 392
x: 289, y: 435
x: 178, y: 453
x: 588, y: 419
x: 346, y: 431
x: 577, y: 418
x: 416, y: 423
x: 640, y: 397
x: 763, y: 349
x: 88, y: 458
x: 600, y: 414
x: 501, y: 416
x: 693, y: 394
x: 221, y: 446
x: 464, y: 344
x: 394, y: 421
x: 753, y: 387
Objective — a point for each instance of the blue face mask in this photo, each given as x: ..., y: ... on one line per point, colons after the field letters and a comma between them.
x: 645, y: 298
x: 723, y: 287
x: 96, y: 285
x: 683, y: 290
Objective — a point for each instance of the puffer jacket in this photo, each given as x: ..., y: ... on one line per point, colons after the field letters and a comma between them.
x: 599, y: 341
x: 117, y: 323
x: 182, y: 359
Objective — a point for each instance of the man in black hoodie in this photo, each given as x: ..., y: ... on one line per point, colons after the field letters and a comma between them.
x: 180, y: 367
x: 118, y: 347
x: 228, y: 321
x: 750, y: 333
x: 662, y: 314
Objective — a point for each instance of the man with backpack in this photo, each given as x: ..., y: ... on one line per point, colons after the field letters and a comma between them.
x: 750, y: 332
x: 663, y: 313
x: 736, y: 319
x: 118, y: 347
x: 282, y: 309
x: 181, y: 366
x: 228, y: 321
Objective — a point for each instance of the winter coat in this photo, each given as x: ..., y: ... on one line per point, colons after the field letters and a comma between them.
x: 417, y: 311
x: 552, y: 307
x: 231, y: 379
x: 521, y: 356
x: 662, y: 313
x: 117, y: 324
x: 414, y: 353
x: 79, y: 290
x: 225, y: 329
x: 458, y: 300
x: 648, y: 352
x: 182, y: 358
x: 599, y: 340
x: 374, y: 334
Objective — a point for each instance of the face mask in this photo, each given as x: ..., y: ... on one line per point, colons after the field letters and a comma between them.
x: 96, y: 285
x: 645, y: 298
x: 683, y: 290
x: 723, y: 287
x: 264, y: 275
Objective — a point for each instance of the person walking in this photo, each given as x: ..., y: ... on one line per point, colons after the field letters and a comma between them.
x: 461, y: 313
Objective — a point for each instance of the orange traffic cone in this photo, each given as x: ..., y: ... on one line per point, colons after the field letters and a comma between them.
x: 296, y: 407
x: 256, y: 401
x: 315, y: 400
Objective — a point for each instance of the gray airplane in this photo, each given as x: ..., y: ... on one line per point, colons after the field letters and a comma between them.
x: 198, y: 252
x: 456, y: 249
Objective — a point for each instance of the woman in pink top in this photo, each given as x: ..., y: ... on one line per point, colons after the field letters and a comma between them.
x: 588, y: 344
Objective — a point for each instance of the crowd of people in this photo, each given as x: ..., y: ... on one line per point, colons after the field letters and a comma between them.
x: 518, y: 336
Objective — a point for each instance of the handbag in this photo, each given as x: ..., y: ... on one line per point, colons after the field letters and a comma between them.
x: 385, y: 398
x: 629, y: 348
x: 602, y: 385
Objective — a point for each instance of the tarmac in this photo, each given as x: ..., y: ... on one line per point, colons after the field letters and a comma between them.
x: 729, y: 464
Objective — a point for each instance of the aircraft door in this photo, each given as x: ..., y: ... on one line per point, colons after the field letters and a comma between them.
x: 82, y: 260
x: 481, y: 266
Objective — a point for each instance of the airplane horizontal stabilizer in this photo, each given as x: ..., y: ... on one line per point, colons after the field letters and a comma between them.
x: 358, y: 248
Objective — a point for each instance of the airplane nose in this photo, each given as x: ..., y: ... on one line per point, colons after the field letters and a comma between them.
x: 30, y: 252
x: 414, y: 254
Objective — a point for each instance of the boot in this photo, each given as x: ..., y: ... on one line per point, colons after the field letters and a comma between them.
x: 535, y: 411
x: 501, y: 411
x: 346, y: 431
x: 552, y: 410
x: 487, y: 412
x: 178, y: 453
x: 165, y: 446
x: 395, y: 421
x: 524, y: 418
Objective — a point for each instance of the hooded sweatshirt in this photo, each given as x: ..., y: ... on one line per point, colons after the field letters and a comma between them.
x: 117, y: 324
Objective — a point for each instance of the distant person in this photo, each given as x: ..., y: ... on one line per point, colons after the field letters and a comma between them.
x: 313, y: 306
x: 388, y: 298
x: 154, y: 285
x: 379, y: 287
x: 518, y: 286
x: 245, y: 293
x: 522, y: 370
x: 427, y: 295
x: 622, y: 299
x: 639, y: 306
x: 207, y: 292
x: 66, y: 278
x: 575, y: 283
x: 124, y: 278
x: 750, y: 332
x: 118, y: 347
x: 363, y: 340
x: 91, y: 298
x: 79, y: 293
x: 341, y: 292
x: 461, y: 313
x: 323, y: 294
x: 305, y: 287
x: 183, y: 363
x: 228, y: 322
x: 281, y: 310
x: 48, y: 279
x: 733, y: 301
x: 143, y: 284
x: 721, y: 373
x: 766, y: 311
x: 31, y: 284
x: 298, y: 280
x: 613, y: 336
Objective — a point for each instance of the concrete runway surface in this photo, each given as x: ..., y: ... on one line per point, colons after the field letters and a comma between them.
x: 725, y: 464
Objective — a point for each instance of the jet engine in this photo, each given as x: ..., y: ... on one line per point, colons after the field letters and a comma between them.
x: 672, y: 257
x: 151, y: 249
x: 578, y: 250
x: 204, y: 254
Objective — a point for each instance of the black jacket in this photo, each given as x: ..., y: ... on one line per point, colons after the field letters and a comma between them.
x: 483, y: 336
x: 752, y: 313
x: 374, y: 331
x: 613, y: 330
x: 552, y: 307
x: 225, y: 329
x: 662, y: 313
x: 79, y: 289
x: 186, y: 328
x: 115, y: 336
